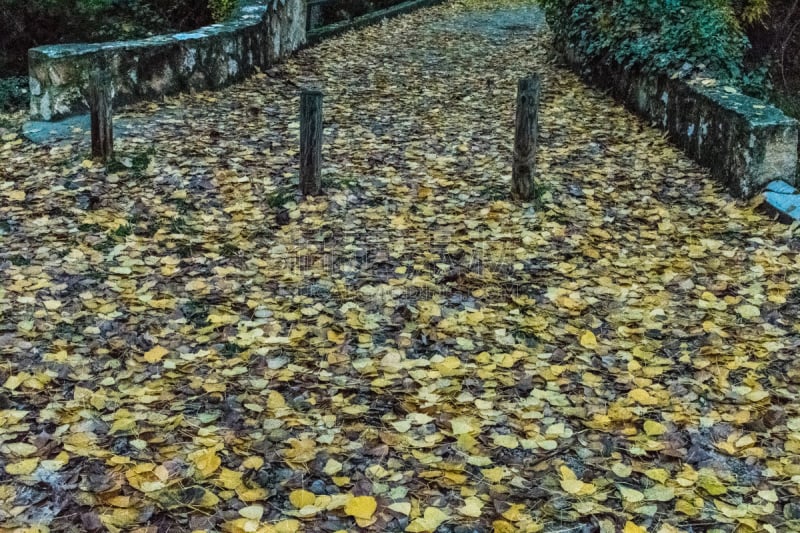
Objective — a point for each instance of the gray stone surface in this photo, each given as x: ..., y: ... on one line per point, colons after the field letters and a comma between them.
x: 68, y: 129
x: 783, y: 200
x: 318, y: 34
x: 256, y: 36
x: 744, y: 142
x: 497, y: 24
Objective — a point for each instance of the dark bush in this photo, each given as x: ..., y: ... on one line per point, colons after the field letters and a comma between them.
x: 25, y: 24
x: 348, y: 9
x: 681, y: 37
x: 13, y: 93
x: 774, y: 31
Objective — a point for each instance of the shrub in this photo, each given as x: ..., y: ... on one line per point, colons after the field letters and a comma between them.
x: 773, y: 27
x: 680, y: 37
x: 221, y: 9
x: 25, y: 24
x: 13, y: 93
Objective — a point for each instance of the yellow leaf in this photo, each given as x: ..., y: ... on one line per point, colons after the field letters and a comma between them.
x: 659, y: 493
x: 21, y: 449
x: 332, y: 467
x: 335, y: 337
x: 630, y: 495
x: 506, y: 441
x: 230, y: 479
x: 768, y: 495
x: 566, y: 472
x: 401, y: 507
x: 361, y: 507
x: 431, y: 519
x: 22, y: 468
x: 251, y: 495
x: 275, y: 400
x: 653, y: 428
x: 287, y: 526
x: 748, y: 311
x: 253, y: 462
x: 472, y: 507
x: 642, y: 396
x: 51, y: 305
x: 501, y: 526
x: 253, y: 512
x: 155, y: 354
x: 206, y: 461
x: 621, y: 469
x: 463, y: 425
x: 712, y: 485
x: 686, y: 507
x: 300, y: 498
x: 208, y: 501
x: 576, y: 487
x: 514, y: 513
x: 630, y: 527
x: 196, y: 285
x: 657, y: 474
x: 588, y: 340
x: 495, y: 475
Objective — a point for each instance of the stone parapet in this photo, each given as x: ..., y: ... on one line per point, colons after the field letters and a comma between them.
x: 256, y: 36
x: 745, y: 142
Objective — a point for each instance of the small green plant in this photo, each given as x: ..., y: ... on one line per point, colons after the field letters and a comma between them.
x: 230, y: 349
x: 19, y: 260
x: 123, y: 230
x: 13, y: 94
x: 339, y: 182
x: 221, y: 10
x: 280, y: 197
x: 135, y: 163
x: 196, y: 312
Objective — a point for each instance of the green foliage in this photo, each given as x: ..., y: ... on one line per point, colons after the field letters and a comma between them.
x: 13, y: 93
x: 221, y: 9
x: 677, y: 36
x: 26, y: 24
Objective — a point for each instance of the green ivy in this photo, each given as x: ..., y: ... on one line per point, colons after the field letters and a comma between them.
x: 681, y: 37
x: 221, y: 9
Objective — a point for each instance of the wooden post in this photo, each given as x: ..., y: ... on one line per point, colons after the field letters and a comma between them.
x: 525, y: 137
x: 100, y: 112
x: 310, y: 141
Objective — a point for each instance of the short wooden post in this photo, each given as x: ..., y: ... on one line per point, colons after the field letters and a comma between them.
x: 310, y: 141
x: 525, y: 137
x: 100, y: 112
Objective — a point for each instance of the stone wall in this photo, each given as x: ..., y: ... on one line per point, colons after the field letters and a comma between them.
x: 257, y: 35
x: 745, y: 142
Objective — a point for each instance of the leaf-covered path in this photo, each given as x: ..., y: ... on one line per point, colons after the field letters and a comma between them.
x: 187, y: 347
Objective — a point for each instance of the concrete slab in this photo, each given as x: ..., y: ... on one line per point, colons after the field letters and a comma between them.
x: 68, y: 129
x: 783, y: 200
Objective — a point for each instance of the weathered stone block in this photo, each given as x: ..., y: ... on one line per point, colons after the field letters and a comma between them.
x: 207, y: 58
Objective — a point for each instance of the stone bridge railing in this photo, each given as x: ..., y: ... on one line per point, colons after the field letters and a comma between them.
x: 744, y: 142
x: 257, y: 35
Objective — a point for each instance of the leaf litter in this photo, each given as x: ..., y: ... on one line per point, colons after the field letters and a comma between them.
x: 189, y: 346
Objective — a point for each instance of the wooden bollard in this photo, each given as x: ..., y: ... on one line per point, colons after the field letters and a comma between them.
x: 310, y: 141
x: 100, y: 113
x: 525, y: 137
